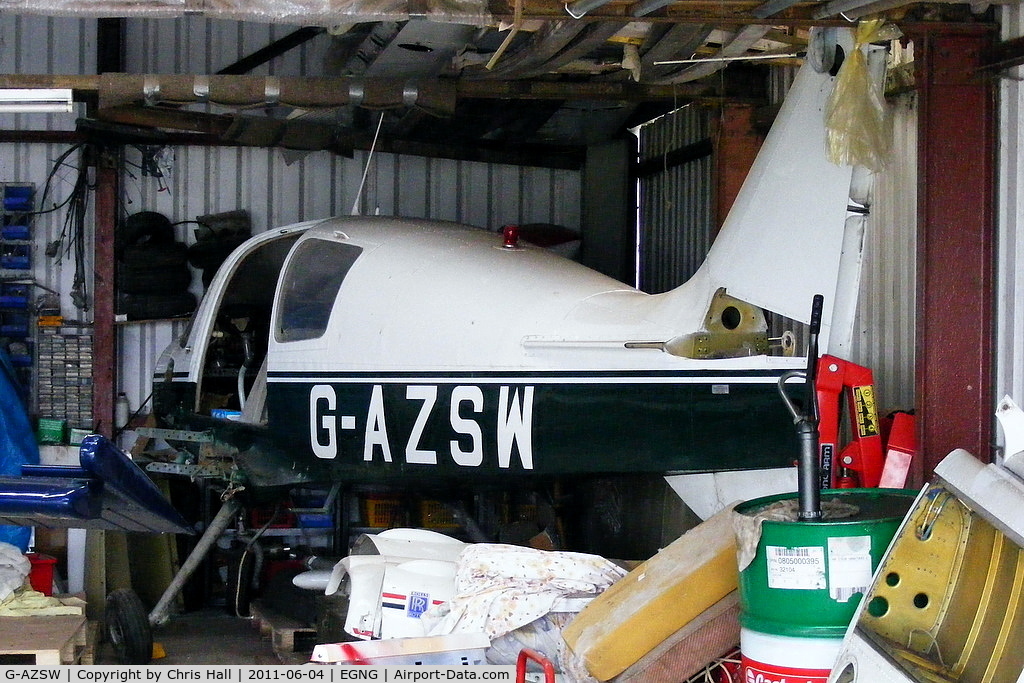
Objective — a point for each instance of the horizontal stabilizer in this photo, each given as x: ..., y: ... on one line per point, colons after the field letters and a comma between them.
x: 108, y: 491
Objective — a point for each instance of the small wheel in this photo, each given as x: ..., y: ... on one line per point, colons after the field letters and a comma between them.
x: 128, y: 629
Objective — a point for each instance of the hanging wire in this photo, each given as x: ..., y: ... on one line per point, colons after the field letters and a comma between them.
x: 49, y: 180
x: 72, y: 239
x: 366, y: 169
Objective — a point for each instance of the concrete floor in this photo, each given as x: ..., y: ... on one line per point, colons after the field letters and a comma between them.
x: 209, y: 636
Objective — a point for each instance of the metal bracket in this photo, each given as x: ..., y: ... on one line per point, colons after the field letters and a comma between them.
x: 174, y: 434
x: 183, y: 469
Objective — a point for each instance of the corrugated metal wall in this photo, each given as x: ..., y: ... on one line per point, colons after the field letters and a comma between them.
x: 45, y: 45
x: 197, y: 45
x: 675, y: 220
x: 1010, y: 216
x: 884, y: 329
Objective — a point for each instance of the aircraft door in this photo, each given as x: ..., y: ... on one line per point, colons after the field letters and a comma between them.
x: 234, y: 346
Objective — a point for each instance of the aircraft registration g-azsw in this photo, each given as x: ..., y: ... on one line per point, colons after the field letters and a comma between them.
x: 364, y: 348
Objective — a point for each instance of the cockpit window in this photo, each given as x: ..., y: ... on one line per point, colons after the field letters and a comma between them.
x: 310, y: 286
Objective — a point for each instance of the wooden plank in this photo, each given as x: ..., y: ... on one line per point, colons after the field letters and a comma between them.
x: 49, y: 640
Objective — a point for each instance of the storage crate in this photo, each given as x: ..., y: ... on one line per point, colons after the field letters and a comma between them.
x: 435, y: 515
x: 384, y: 512
x: 14, y: 323
x: 18, y: 196
x: 314, y: 520
x: 15, y: 232
x: 9, y: 301
x: 260, y: 516
x: 20, y: 352
x: 16, y: 256
x: 51, y: 430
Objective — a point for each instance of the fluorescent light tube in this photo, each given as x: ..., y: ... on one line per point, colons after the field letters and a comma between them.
x: 35, y: 100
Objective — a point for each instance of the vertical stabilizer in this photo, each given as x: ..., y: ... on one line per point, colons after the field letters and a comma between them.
x: 782, y: 241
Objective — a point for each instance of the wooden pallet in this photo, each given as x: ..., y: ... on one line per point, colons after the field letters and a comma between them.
x: 94, y: 634
x: 284, y: 632
x: 44, y: 641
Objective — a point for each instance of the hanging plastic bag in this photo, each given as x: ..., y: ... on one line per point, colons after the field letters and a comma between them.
x: 857, y: 123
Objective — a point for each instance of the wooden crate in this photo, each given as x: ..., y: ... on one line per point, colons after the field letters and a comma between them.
x: 284, y: 632
x: 44, y: 641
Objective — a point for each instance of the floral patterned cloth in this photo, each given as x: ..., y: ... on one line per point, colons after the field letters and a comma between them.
x: 499, y: 588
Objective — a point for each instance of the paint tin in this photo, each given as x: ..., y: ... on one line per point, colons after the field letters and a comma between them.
x: 807, y: 578
x: 801, y: 582
x: 770, y: 658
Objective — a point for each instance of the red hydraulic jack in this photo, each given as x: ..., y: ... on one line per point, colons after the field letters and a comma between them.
x: 859, y: 463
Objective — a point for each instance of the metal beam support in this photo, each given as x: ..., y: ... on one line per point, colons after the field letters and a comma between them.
x: 104, y: 335
x: 273, y: 50
x: 955, y: 259
x: 121, y: 88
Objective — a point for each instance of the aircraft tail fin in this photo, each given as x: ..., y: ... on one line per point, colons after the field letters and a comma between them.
x: 788, y: 236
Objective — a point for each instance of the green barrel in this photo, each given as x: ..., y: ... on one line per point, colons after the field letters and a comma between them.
x: 807, y: 578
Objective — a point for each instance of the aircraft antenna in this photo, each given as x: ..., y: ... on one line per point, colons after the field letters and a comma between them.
x: 366, y: 169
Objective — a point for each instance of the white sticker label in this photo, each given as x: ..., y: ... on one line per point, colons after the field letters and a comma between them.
x: 849, y: 566
x: 801, y: 568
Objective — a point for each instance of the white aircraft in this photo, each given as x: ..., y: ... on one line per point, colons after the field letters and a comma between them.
x: 374, y: 347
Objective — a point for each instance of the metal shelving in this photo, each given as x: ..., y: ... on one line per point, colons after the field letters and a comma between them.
x: 17, y: 210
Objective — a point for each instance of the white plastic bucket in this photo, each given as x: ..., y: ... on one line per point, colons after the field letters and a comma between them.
x: 768, y: 658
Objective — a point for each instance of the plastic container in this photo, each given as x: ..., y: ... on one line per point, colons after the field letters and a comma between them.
x: 16, y: 232
x: 16, y: 257
x: 435, y: 515
x: 14, y: 323
x: 315, y: 520
x: 76, y: 436
x: 18, y: 197
x: 384, y: 512
x: 40, y: 576
x: 50, y: 430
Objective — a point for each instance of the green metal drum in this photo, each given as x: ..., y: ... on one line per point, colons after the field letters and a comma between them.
x: 806, y: 579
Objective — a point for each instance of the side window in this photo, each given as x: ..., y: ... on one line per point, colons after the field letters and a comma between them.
x: 310, y: 286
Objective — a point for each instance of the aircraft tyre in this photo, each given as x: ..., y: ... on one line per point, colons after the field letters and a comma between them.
x: 149, y: 306
x: 143, y: 227
x: 154, y: 280
x: 154, y: 255
x: 127, y: 627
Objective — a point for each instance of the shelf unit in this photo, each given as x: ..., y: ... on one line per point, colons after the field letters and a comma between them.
x: 17, y: 211
x: 65, y: 374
